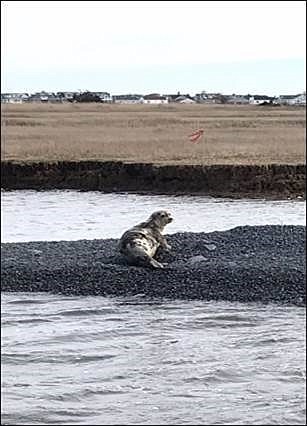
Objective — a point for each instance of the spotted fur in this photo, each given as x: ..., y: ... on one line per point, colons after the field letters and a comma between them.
x: 140, y: 243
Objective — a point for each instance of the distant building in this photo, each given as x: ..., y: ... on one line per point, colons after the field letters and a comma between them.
x: 127, y: 99
x: 14, y: 98
x: 66, y: 96
x: 237, y: 99
x: 155, y: 98
x: 185, y: 100
x: 172, y: 97
x: 210, y: 98
x: 299, y: 99
x: 261, y: 99
x: 181, y: 99
x: 44, y: 97
x: 105, y: 97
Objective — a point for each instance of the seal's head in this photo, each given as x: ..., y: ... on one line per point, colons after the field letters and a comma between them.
x: 160, y: 219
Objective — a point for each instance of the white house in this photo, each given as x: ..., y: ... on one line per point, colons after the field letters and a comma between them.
x: 104, y: 96
x: 181, y: 99
x: 155, y: 98
x: 260, y: 99
x: 292, y: 99
x: 185, y: 100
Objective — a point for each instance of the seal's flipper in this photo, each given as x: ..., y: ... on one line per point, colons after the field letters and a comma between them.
x: 155, y: 264
x: 148, y: 261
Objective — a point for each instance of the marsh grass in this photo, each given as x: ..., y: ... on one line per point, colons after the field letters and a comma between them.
x: 158, y: 134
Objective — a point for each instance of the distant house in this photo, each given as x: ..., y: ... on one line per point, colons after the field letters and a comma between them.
x: 209, y: 98
x: 237, y: 99
x: 155, y: 98
x: 185, y: 100
x: 181, y: 99
x: 44, y: 97
x: 261, y: 99
x: 14, y: 98
x: 105, y: 97
x: 127, y: 99
x: 172, y: 97
x: 299, y: 99
x: 66, y: 96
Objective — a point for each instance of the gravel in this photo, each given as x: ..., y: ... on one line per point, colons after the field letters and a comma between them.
x: 244, y: 264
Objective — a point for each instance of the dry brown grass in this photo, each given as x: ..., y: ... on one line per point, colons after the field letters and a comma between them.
x: 158, y: 134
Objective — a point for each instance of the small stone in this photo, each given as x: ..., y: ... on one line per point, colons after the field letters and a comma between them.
x: 196, y: 259
x: 210, y: 247
x: 36, y: 252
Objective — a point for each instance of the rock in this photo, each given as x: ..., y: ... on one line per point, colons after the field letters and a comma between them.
x: 210, y: 247
x: 196, y: 260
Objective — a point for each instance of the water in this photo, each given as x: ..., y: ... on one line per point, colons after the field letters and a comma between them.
x: 96, y: 360
x: 73, y: 215
x: 109, y: 361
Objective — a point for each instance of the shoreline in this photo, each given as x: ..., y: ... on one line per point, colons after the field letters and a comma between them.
x: 245, y: 264
x: 273, y: 181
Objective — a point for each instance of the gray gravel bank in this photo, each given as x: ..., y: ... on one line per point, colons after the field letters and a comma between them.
x: 245, y: 264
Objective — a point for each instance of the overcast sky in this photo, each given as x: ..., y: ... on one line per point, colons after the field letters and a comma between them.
x: 154, y: 46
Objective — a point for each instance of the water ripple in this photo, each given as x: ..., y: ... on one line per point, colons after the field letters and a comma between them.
x: 108, y: 361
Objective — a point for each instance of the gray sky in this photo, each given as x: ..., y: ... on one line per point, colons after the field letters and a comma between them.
x: 145, y: 46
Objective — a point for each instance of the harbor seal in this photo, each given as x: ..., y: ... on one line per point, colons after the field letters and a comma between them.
x: 140, y: 243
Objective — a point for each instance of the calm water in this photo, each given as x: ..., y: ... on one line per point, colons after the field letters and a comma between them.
x: 95, y: 360
x: 73, y: 215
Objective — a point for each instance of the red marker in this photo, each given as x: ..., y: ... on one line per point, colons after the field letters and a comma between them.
x: 194, y: 137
